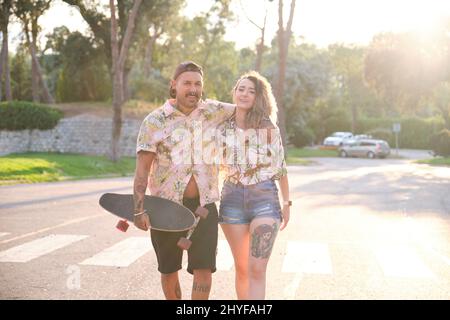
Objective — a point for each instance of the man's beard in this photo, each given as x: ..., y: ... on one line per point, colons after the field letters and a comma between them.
x: 188, y: 103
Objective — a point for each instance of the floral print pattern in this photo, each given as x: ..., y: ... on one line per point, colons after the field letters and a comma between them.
x: 165, y: 131
x: 250, y: 159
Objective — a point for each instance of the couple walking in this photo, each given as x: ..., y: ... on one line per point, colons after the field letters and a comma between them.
x: 174, y: 161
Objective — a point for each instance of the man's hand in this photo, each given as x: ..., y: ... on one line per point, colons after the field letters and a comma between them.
x: 144, y: 161
x: 142, y: 221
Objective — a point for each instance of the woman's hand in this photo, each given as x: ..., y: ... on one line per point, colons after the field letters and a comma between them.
x: 286, y: 212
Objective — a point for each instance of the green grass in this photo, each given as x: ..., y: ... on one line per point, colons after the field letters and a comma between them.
x: 298, y: 155
x: 46, y: 167
x: 436, y: 161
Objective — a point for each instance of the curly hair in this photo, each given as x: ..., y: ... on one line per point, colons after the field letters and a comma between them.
x: 265, y: 106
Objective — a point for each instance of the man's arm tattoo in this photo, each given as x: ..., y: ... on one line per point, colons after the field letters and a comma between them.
x: 140, y: 185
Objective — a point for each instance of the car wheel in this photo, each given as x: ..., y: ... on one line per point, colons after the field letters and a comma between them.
x: 370, y: 155
x: 343, y: 154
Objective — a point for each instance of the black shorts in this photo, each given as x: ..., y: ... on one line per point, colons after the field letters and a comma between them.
x: 201, y: 254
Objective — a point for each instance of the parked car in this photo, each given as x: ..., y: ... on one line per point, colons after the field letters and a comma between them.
x: 337, y: 138
x: 362, y: 136
x: 369, y: 148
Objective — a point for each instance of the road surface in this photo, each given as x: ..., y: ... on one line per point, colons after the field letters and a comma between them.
x: 360, y: 229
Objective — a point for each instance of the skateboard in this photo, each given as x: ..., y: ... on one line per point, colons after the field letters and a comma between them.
x: 165, y: 215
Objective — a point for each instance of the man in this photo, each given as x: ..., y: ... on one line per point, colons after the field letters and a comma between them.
x: 191, y: 183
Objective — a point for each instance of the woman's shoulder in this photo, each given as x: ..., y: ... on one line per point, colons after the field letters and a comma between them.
x: 272, y: 129
x: 266, y: 123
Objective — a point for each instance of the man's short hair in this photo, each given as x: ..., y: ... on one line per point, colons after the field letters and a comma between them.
x: 185, y: 67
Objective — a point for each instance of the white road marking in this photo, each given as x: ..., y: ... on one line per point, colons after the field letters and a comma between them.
x: 36, y: 248
x: 401, y: 261
x: 121, y: 254
x: 307, y: 257
x: 436, y: 253
x: 51, y: 228
x: 291, y: 289
x: 224, y: 261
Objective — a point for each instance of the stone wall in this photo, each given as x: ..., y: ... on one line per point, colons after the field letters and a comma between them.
x: 84, y: 134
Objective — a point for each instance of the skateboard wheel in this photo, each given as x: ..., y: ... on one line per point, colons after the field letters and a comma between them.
x: 122, y: 225
x: 184, y: 243
x: 201, y: 212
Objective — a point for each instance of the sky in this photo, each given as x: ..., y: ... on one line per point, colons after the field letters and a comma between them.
x: 319, y: 22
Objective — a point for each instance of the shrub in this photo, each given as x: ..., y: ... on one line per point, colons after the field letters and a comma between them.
x: 302, y: 137
x: 21, y: 115
x: 383, y: 134
x: 440, y: 143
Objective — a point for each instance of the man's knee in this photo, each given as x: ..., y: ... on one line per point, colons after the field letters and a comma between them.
x: 202, y: 274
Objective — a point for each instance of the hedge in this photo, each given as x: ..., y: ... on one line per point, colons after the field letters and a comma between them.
x: 440, y: 143
x: 415, y: 132
x: 22, y: 115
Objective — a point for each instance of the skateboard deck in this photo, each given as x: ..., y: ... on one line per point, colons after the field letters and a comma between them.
x: 165, y: 215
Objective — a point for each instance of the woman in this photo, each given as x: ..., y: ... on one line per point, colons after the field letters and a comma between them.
x: 250, y: 214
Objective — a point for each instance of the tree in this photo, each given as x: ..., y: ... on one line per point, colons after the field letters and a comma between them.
x: 99, y: 22
x: 260, y: 47
x: 5, y: 11
x: 201, y: 39
x: 308, y: 74
x: 79, y: 69
x: 441, y: 99
x: 348, y: 68
x: 284, y: 37
x: 404, y: 68
x: 29, y: 12
x: 154, y: 24
x: 21, y: 74
x: 118, y: 65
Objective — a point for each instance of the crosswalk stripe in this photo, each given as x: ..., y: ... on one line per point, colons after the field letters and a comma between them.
x: 307, y: 257
x: 224, y: 261
x: 401, y: 261
x: 121, y: 254
x: 291, y: 289
x: 36, y: 248
x: 2, y: 234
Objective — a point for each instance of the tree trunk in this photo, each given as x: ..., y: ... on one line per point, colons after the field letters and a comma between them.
x: 126, y: 85
x: 284, y: 37
x: 354, y: 117
x: 260, y: 47
x: 34, y: 78
x: 39, y: 77
x: 148, y: 59
x: 6, y: 71
x: 118, y: 66
x: 1, y: 65
x: 117, y: 85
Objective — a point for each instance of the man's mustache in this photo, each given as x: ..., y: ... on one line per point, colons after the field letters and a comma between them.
x: 193, y: 94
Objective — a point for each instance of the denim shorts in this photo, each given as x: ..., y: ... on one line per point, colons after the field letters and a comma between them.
x: 240, y: 204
